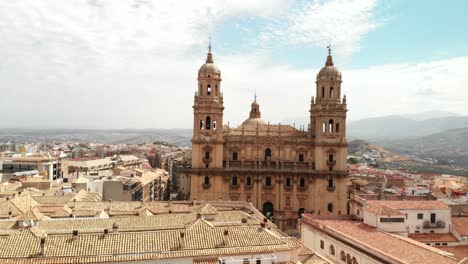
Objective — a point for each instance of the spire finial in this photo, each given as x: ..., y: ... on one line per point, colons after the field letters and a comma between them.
x: 329, y: 57
x: 255, y: 96
x: 209, y: 56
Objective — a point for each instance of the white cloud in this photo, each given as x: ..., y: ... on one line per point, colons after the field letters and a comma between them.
x: 341, y: 22
x: 133, y: 63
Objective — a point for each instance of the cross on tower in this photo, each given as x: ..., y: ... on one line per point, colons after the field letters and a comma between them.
x: 329, y: 49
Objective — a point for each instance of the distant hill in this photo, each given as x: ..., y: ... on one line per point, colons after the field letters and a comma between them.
x: 179, y: 137
x: 449, y: 147
x: 399, y: 127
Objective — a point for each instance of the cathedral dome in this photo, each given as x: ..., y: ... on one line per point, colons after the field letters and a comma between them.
x: 209, y: 68
x: 255, y: 116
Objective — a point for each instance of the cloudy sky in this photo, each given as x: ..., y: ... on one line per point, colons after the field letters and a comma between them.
x: 133, y: 63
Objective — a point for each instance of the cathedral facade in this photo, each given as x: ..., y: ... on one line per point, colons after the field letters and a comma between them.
x: 281, y: 170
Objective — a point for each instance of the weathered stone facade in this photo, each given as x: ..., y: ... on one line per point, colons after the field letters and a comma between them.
x: 282, y: 170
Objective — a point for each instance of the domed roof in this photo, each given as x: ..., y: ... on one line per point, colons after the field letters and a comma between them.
x: 329, y: 69
x: 209, y: 67
x: 255, y: 121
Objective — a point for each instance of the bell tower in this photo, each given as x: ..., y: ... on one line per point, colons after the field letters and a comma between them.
x: 207, y: 140
x: 328, y: 132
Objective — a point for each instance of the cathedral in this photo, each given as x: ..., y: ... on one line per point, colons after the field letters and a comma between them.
x: 283, y: 171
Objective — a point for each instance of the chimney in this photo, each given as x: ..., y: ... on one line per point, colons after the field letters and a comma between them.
x: 262, y: 225
x: 182, y: 240
x: 265, y: 220
x: 9, y: 214
x: 75, y: 234
x: 43, y: 247
x: 106, y: 231
x: 115, y: 227
x: 244, y: 220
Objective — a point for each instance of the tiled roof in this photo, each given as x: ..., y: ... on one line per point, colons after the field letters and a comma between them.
x: 433, y: 237
x: 394, y: 247
x: 412, y: 205
x: 460, y: 224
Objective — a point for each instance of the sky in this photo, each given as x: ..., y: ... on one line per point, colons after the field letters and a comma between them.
x: 99, y: 64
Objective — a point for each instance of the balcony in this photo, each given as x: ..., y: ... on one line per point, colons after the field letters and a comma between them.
x: 207, y: 160
x: 206, y: 185
x: 330, y: 188
x: 331, y: 163
x: 437, y: 224
x: 249, y: 165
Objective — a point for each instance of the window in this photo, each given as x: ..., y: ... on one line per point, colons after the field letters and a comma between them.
x: 342, y: 255
x: 208, y: 90
x: 245, y: 261
x: 348, y: 259
x: 208, y: 123
x: 330, y: 125
x: 267, y: 153
x: 234, y: 181
x: 288, y: 182
x: 332, y: 250
x: 268, y: 181
x: 214, y: 125
x: 331, y: 92
x: 330, y: 157
x: 259, y: 261
x: 330, y: 208
x: 248, y: 181
x: 323, y: 92
x: 202, y: 124
x: 392, y: 220
x: 322, y: 244
x: 206, y: 181
x: 234, y: 156
x: 354, y: 261
x: 358, y: 211
x: 324, y: 128
x: 330, y: 182
x: 337, y: 130
x: 433, y: 218
x: 301, y: 157
x: 302, y: 182
x: 207, y: 155
x: 420, y: 216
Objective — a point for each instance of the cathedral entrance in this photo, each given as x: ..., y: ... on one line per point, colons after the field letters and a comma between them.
x: 268, y: 210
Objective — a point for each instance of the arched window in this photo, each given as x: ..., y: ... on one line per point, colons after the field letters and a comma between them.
x: 301, y: 157
x: 234, y: 156
x: 330, y: 126
x: 300, y: 212
x: 330, y: 208
x: 324, y: 127
x: 207, y: 155
x: 268, y: 181
x: 337, y: 130
x: 214, y: 125
x: 267, y: 153
x: 202, y: 124
x: 216, y: 90
x: 208, y: 90
x: 208, y: 123
x: 330, y: 182
x: 331, y: 92
x: 355, y: 260
x: 206, y: 181
x: 302, y: 182
x: 332, y: 250
x: 348, y: 259
x: 330, y: 157
x: 342, y: 255
x: 323, y: 92
x: 234, y: 181
x: 288, y: 182
x: 248, y: 181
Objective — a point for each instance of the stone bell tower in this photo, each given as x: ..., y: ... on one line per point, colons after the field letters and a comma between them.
x: 328, y: 132
x: 207, y: 140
